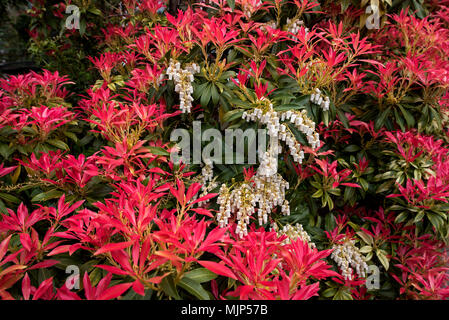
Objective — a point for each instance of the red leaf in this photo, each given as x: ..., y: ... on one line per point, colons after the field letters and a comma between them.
x: 354, y: 185
x: 65, y: 294
x: 193, y: 190
x: 77, y: 246
x: 115, y: 291
x: 218, y: 269
x: 45, y: 286
x: 206, y: 197
x: 202, y: 211
x: 4, y: 247
x: 158, y: 279
x: 88, y: 289
x: 179, y: 196
x: 12, y: 269
x: 58, y: 250
x: 138, y: 287
x: 26, y: 287
x: 44, y: 264
x: 112, y: 269
x: 158, y: 171
x: 113, y: 246
x: 25, y: 239
x: 168, y: 255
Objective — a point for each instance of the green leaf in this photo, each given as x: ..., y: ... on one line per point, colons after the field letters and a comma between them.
x: 317, y: 194
x: 352, y: 148
x: 349, y: 195
x: 95, y: 276
x: 95, y: 11
x: 194, y: 288
x: 16, y: 174
x: 366, y: 249
x: 384, y: 186
x: 205, y: 95
x: 342, y: 117
x: 169, y: 287
x: 326, y: 118
x: 383, y: 259
x: 401, y: 217
x: 158, y: 151
x: 6, y: 151
x: 329, y: 201
x: 232, y: 115
x: 399, y: 120
x: 231, y: 4
x: 3, y: 208
x: 419, y: 217
x: 201, y: 275
x: 380, y: 121
x: 329, y: 221
x: 71, y: 135
x: 342, y: 294
x: 52, y: 194
x: 198, y: 89
x: 363, y: 183
x: 435, y: 219
x: 9, y: 198
x: 335, y: 192
x: 215, y: 95
x: 408, y: 117
x: 82, y: 27
x: 365, y: 237
x: 329, y: 292
x: 58, y: 144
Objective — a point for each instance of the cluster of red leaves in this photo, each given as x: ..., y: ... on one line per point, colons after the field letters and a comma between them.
x: 424, y: 265
x: 31, y: 88
x: 434, y: 184
x: 268, y: 269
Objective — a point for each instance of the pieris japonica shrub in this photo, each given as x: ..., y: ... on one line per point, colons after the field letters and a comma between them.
x: 348, y: 200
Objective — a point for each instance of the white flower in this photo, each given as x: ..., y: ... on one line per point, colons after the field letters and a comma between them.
x: 347, y: 255
x: 294, y: 233
x: 318, y: 99
x: 183, y: 79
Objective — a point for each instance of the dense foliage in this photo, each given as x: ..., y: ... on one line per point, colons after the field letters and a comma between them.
x: 362, y: 180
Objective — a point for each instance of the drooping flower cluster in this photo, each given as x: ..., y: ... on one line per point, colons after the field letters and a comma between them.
x: 249, y: 7
x: 271, y: 24
x: 293, y: 26
x: 265, y: 193
x: 207, y: 181
x: 183, y: 79
x: 347, y: 255
x: 267, y: 187
x: 282, y: 132
x: 270, y: 192
x: 207, y: 173
x: 318, y: 99
x: 293, y: 233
